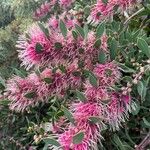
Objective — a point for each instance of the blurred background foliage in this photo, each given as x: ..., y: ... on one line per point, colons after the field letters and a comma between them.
x: 15, y: 17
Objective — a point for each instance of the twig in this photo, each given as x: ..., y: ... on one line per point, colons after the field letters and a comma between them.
x: 136, y: 13
x: 144, y: 143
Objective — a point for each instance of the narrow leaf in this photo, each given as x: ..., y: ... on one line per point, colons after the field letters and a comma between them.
x: 45, y: 30
x: 142, y: 45
x: 102, y: 58
x: 80, y: 30
x: 146, y: 122
x: 113, y: 48
x: 49, y: 141
x: 63, y: 28
x: 78, y: 138
x: 80, y: 95
x: 100, y: 30
x: 69, y: 115
x: 93, y: 79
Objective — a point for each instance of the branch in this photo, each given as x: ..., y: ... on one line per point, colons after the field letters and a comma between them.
x: 144, y: 143
x: 136, y: 13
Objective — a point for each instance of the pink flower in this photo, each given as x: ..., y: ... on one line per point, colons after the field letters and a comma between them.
x: 104, y: 45
x: 34, y: 50
x: 42, y: 11
x: 108, y: 74
x: 82, y: 114
x: 53, y: 22
x: 65, y: 3
x: 98, y: 94
x: 26, y: 92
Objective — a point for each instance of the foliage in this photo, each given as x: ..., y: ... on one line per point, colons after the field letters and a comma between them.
x: 128, y: 45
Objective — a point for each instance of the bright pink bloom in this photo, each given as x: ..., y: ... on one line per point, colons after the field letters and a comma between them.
x: 65, y: 3
x: 53, y: 22
x: 34, y: 49
x: 108, y: 74
x: 42, y: 11
x: 26, y: 92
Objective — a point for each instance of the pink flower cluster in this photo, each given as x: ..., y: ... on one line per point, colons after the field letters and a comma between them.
x: 103, y: 104
x: 42, y: 11
x: 103, y: 10
x: 37, y: 49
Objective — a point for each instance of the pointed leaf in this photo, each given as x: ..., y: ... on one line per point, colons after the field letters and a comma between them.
x: 69, y: 115
x: 100, y: 30
x: 142, y: 45
x: 97, y: 44
x: 39, y: 48
x: 80, y: 30
x: 50, y: 141
x: 93, y: 79
x: 113, y: 49
x: 78, y: 138
x: 81, y: 96
x: 30, y: 95
x: 102, y: 58
x: 45, y: 30
x: 146, y: 122
x: 63, y: 28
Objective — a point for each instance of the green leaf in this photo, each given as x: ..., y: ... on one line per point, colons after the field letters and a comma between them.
x: 142, y: 45
x: 39, y: 48
x: 100, y: 30
x: 146, y: 122
x: 81, y: 96
x: 63, y: 28
x: 102, y: 57
x: 118, y: 142
x: 69, y: 115
x: 93, y: 79
x: 30, y: 95
x: 126, y: 69
x: 75, y: 35
x: 113, y: 48
x: 141, y: 89
x: 86, y: 31
x: 137, y: 108
x: 95, y: 119
x: 50, y: 141
x: 80, y: 30
x: 45, y: 30
x: 58, y: 46
x: 48, y: 80
x: 105, y: 1
x: 97, y: 44
x: 78, y: 138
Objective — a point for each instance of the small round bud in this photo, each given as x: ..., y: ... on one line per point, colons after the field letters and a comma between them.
x: 132, y: 60
x: 129, y: 90
x: 135, y: 81
x: 142, y: 69
x: 124, y: 92
x: 129, y: 84
x: 148, y: 61
x: 140, y: 77
x: 40, y: 136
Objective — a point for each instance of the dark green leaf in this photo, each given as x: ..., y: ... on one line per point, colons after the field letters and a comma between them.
x: 100, y: 30
x: 97, y: 44
x: 39, y: 48
x: 80, y: 31
x: 78, y: 138
x: 113, y: 48
x: 63, y: 28
x: 81, y: 96
x: 69, y: 115
x: 146, y: 122
x: 45, y: 30
x: 93, y: 79
x: 102, y: 57
x: 30, y: 95
x: 75, y: 35
x: 58, y: 46
x: 49, y: 141
x: 95, y: 119
x: 48, y: 80
x: 142, y: 45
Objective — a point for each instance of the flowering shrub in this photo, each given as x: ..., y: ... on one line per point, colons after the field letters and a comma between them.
x: 87, y: 67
